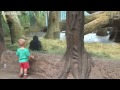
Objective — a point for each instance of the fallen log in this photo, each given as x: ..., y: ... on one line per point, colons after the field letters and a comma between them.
x: 102, y: 20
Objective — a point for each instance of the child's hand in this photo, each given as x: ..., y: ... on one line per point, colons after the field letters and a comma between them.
x: 32, y: 57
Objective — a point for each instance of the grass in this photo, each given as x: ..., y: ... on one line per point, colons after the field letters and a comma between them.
x: 54, y: 46
x: 104, y: 50
x: 111, y: 51
x: 49, y: 46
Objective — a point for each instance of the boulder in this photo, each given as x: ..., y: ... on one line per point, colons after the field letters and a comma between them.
x: 44, y: 64
x: 102, y: 32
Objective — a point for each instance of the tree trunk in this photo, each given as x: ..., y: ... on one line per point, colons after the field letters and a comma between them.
x: 77, y: 60
x: 16, y: 30
x: 2, y: 43
x: 53, y: 31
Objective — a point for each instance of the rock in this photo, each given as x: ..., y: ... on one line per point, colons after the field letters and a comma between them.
x: 44, y: 29
x: 10, y: 59
x: 44, y: 64
x: 102, y: 32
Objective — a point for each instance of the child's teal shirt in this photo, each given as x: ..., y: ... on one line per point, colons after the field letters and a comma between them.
x: 23, y: 54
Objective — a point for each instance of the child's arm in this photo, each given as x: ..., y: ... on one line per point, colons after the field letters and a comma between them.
x: 28, y: 54
x: 31, y: 56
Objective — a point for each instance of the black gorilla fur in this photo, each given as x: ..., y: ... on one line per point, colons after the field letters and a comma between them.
x: 35, y: 44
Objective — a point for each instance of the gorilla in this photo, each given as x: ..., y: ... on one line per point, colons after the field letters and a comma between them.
x: 35, y: 44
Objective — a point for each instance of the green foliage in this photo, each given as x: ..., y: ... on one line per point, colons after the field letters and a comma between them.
x: 13, y: 47
x: 24, y: 20
x: 42, y: 18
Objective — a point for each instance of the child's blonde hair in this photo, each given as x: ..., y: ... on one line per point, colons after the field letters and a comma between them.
x: 21, y: 42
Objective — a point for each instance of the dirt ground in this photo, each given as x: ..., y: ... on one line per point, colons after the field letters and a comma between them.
x: 12, y: 75
x: 103, y: 69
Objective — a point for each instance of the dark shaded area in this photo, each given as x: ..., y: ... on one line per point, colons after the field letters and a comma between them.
x: 115, y: 32
x: 35, y: 44
x: 90, y: 12
x: 115, y: 35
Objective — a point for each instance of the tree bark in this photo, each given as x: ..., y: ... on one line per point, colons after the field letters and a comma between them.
x: 77, y: 60
x: 53, y: 31
x: 2, y: 42
x: 16, y: 30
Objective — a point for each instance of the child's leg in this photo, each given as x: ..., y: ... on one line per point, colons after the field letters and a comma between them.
x: 21, y: 70
x: 25, y: 71
x: 26, y: 67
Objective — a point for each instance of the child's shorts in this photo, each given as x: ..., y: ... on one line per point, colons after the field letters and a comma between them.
x: 25, y: 65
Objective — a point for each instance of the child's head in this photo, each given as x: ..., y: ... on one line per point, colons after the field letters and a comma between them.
x: 21, y: 42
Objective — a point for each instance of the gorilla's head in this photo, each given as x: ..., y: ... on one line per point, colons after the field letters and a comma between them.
x: 35, y: 38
